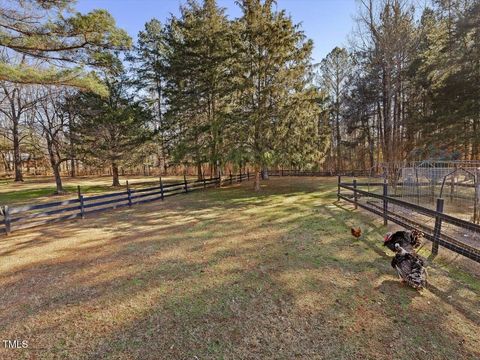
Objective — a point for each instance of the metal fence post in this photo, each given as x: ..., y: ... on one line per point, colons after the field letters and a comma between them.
x: 161, y: 188
x: 80, y: 199
x: 355, y: 199
x: 129, y: 195
x: 185, y: 182
x: 385, y: 202
x: 437, y: 230
x: 338, y: 190
x: 231, y: 179
x: 240, y: 175
x: 6, y: 214
x: 204, y: 183
x: 248, y: 175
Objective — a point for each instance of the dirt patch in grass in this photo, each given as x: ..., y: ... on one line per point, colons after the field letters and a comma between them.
x: 227, y: 273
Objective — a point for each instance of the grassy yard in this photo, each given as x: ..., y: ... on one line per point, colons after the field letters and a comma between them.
x: 41, y: 189
x: 228, y: 274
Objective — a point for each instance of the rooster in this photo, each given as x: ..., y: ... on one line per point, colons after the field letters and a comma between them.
x: 410, y: 268
x: 408, y: 240
x: 356, y: 232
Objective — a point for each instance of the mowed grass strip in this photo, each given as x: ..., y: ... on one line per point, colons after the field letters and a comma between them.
x: 228, y: 274
x: 42, y: 189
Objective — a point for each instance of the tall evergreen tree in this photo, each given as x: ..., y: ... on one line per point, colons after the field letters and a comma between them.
x: 388, y: 44
x: 276, y: 103
x: 199, y: 88
x: 149, y: 61
x: 111, y: 129
x: 335, y: 71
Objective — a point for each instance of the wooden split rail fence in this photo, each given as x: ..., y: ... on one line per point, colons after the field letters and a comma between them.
x: 285, y: 172
x: 436, y: 235
x: 28, y: 216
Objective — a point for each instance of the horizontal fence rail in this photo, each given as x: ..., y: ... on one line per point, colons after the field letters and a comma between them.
x: 436, y: 234
x: 28, y: 216
x: 284, y: 172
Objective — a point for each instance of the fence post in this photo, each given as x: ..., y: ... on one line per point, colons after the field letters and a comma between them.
x: 204, y: 183
x: 80, y: 199
x: 437, y: 230
x: 129, y: 195
x: 161, y: 188
x: 248, y: 175
x: 385, y: 202
x: 476, y: 215
x: 338, y: 190
x: 231, y: 179
x: 185, y: 182
x: 6, y: 214
x: 355, y: 199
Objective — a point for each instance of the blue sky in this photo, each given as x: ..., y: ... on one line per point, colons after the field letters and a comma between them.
x: 327, y: 22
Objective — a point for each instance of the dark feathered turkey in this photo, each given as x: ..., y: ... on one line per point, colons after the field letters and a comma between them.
x: 408, y: 240
x: 410, y: 268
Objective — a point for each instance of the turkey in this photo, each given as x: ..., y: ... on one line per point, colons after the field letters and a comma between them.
x: 410, y: 268
x: 408, y: 240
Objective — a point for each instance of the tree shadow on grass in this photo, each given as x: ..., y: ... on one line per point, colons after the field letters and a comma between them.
x: 258, y: 282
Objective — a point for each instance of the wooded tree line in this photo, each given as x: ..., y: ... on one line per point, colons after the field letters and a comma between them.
x: 206, y: 91
x: 408, y: 88
x: 199, y: 90
x: 231, y: 92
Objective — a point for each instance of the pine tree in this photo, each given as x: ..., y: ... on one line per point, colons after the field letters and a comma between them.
x: 149, y: 61
x: 335, y: 70
x: 66, y: 45
x: 276, y: 104
x: 111, y: 129
x: 198, y: 87
x: 388, y: 43
x: 446, y: 72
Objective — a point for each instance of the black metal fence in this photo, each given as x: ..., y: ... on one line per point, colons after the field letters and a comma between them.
x: 28, y: 216
x: 461, y: 237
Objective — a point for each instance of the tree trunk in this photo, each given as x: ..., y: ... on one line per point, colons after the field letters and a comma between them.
x: 338, y: 141
x: 256, y: 184
x: 55, y: 164
x: 28, y: 163
x: 17, y: 160
x: 115, y: 180
x: 72, y: 168
x: 6, y: 163
x: 264, y: 173
x: 58, y: 179
x: 199, y: 171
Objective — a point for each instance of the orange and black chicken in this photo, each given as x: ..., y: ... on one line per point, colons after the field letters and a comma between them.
x: 356, y: 232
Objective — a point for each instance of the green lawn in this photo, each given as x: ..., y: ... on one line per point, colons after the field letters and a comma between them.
x: 229, y: 274
x: 20, y: 196
x: 42, y: 189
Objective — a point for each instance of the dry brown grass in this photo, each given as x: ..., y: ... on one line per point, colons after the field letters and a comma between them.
x: 228, y: 274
